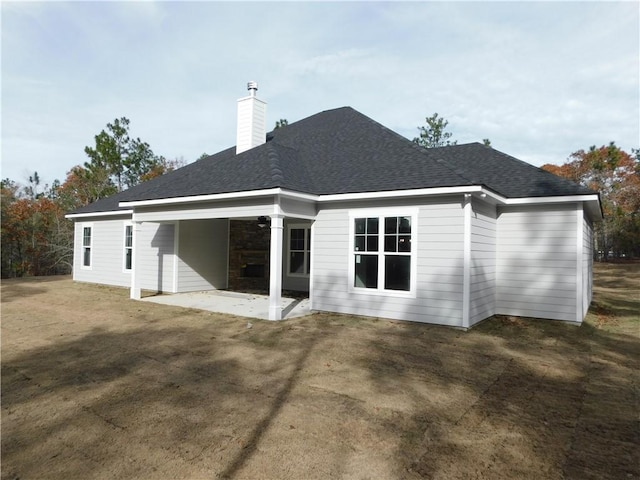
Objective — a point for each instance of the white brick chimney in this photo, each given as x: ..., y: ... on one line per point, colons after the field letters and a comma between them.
x: 252, y: 120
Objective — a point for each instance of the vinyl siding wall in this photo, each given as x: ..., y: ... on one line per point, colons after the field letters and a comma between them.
x: 439, y: 249
x: 587, y: 265
x: 537, y: 262
x: 203, y: 257
x: 155, y: 257
x: 483, y: 262
x: 107, y: 253
x: 107, y: 250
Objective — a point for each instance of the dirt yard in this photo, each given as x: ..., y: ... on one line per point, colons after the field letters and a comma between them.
x: 95, y: 386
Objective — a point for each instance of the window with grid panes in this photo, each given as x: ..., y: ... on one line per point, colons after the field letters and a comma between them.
x: 299, y: 250
x: 128, y: 246
x: 382, y: 253
x: 86, y: 246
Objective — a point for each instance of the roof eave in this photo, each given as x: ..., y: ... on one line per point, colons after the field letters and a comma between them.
x: 592, y: 201
x: 109, y: 213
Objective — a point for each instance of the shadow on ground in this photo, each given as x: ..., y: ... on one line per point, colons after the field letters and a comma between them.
x: 96, y: 386
x: 512, y: 398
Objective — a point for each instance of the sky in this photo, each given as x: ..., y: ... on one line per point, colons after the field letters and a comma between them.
x: 539, y: 79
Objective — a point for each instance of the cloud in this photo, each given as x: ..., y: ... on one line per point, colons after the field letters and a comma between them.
x: 540, y: 79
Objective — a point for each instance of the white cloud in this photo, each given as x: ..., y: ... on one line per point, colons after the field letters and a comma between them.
x: 541, y: 80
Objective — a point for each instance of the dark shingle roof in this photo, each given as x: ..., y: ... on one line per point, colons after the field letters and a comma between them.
x: 504, y: 174
x: 343, y: 151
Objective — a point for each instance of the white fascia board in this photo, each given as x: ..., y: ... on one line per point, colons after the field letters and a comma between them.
x: 220, y: 196
x: 457, y: 190
x: 73, y: 216
x: 299, y: 196
x: 201, y: 198
x: 562, y: 199
x: 310, y: 197
x: 477, y: 189
x: 591, y: 202
x: 400, y: 193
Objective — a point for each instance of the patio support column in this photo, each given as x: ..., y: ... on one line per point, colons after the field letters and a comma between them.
x: 466, y: 267
x: 275, y: 268
x: 136, y: 291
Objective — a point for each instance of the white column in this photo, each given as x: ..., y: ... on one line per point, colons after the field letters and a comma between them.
x: 466, y: 271
x: 579, y: 263
x: 136, y: 291
x: 275, y: 268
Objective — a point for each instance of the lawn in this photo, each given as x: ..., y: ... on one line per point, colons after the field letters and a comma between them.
x: 96, y: 386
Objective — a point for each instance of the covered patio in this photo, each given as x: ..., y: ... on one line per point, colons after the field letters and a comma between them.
x: 205, y: 257
x: 249, y: 305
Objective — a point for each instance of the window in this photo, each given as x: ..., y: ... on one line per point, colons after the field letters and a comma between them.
x: 86, y: 247
x: 128, y: 246
x: 299, y: 263
x: 382, y: 253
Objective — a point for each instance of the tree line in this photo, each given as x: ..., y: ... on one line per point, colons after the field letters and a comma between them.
x: 615, y: 174
x: 37, y: 239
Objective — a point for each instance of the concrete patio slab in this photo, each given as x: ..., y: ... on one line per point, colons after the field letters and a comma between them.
x: 234, y: 303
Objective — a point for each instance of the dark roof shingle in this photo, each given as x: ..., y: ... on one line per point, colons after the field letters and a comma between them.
x: 343, y: 151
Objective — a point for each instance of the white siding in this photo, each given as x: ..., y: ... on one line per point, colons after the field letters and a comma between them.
x: 296, y: 208
x: 483, y: 262
x: 155, y: 257
x: 251, y: 127
x: 238, y: 208
x: 107, y: 262
x: 107, y: 253
x: 439, y: 267
x: 587, y: 265
x: 202, y: 255
x: 536, y: 262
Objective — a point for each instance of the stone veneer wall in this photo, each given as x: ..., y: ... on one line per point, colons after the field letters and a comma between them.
x: 248, y: 243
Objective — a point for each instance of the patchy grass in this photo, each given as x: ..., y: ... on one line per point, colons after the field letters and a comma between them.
x: 616, y: 304
x: 97, y: 386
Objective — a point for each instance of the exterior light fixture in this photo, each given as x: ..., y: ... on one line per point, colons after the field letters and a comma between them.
x: 262, y: 221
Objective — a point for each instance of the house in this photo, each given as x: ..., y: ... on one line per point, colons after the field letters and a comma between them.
x: 361, y: 218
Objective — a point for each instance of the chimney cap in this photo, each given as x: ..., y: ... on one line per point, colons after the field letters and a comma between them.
x: 252, y: 85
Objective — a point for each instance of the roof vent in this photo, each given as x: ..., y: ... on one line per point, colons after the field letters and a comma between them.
x: 252, y: 120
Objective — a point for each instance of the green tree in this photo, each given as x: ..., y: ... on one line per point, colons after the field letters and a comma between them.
x: 36, y: 238
x: 434, y: 134
x: 32, y: 188
x: 117, y: 160
x: 283, y: 122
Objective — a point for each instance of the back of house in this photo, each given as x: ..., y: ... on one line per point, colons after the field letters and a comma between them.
x: 362, y: 219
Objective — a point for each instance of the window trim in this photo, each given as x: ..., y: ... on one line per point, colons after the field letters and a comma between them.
x: 381, y: 213
x: 307, y: 250
x: 83, y: 226
x: 127, y: 224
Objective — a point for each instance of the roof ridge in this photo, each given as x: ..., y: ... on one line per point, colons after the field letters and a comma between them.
x: 460, y: 173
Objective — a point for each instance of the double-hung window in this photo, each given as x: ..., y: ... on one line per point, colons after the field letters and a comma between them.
x: 128, y: 246
x: 299, y: 263
x: 86, y: 246
x: 383, y: 253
